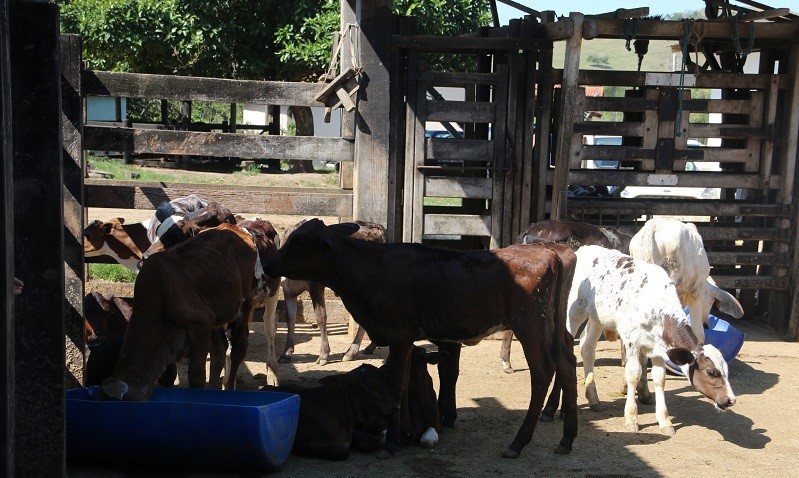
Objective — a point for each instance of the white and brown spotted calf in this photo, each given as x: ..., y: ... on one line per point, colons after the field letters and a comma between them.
x: 636, y: 299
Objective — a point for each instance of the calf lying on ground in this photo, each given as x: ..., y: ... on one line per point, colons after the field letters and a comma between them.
x: 348, y: 410
x: 180, y: 296
x: 638, y: 300
x: 292, y: 288
x: 678, y: 248
x: 406, y: 292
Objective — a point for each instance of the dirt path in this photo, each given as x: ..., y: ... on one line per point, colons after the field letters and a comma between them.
x: 757, y: 437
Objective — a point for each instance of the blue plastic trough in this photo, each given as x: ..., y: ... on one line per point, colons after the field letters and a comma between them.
x: 183, y: 428
x: 723, y: 336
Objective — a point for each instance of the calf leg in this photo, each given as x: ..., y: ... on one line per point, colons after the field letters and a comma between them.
x: 448, y: 371
x: 566, y: 379
x: 239, y: 340
x: 218, y: 357
x: 291, y: 301
x: 588, y: 352
x: 542, y: 369
x: 270, y: 330
x: 400, y: 352
x: 661, y: 412
x: 504, y: 351
x: 356, y: 345
x: 317, y: 293
x: 642, y: 389
x: 199, y: 343
x: 632, y: 373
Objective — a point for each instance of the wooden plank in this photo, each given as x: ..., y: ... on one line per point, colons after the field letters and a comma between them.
x: 464, y: 44
x: 73, y: 164
x: 499, y: 228
x: 746, y: 258
x: 461, y: 111
x: 625, y: 153
x: 441, y: 149
x: 788, y: 156
x: 671, y: 30
x: 687, y: 179
x: 738, y: 131
x: 750, y: 282
x: 610, y: 103
x: 249, y: 146
x: 414, y: 132
x: 674, y: 206
x: 370, y: 201
x: 478, y: 188
x: 7, y: 317
x: 718, y: 106
x: 139, y: 85
x: 705, y: 80
x: 457, y: 79
x: 569, y: 115
x: 457, y: 224
x: 290, y: 201
x: 40, y: 312
x: 610, y: 128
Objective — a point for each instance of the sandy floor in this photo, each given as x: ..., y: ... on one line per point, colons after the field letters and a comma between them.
x: 757, y: 437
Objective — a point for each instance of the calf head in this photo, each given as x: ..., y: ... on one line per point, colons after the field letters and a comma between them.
x: 148, y: 347
x: 707, y: 372
x: 368, y: 394
x: 306, y: 248
x: 110, y: 239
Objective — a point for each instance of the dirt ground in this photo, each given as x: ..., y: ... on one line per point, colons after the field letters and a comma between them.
x: 757, y: 437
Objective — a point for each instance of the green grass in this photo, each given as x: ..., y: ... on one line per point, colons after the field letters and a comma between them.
x: 618, y: 58
x: 110, y: 273
x: 120, y: 170
x: 451, y: 202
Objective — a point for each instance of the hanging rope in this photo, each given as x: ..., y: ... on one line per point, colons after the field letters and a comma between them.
x: 740, y: 52
x: 688, y: 29
x: 630, y: 31
x: 346, y: 35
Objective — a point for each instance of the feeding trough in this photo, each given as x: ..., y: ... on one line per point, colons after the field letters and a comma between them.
x: 721, y: 335
x: 186, y: 428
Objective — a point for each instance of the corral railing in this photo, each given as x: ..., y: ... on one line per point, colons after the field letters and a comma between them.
x: 145, y: 140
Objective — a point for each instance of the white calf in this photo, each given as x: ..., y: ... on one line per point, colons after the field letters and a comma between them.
x: 677, y: 247
x: 613, y: 291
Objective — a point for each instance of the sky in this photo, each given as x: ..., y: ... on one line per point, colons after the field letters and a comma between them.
x: 563, y: 7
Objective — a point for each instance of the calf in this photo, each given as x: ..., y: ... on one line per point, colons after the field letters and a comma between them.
x: 401, y: 293
x: 180, y: 296
x: 368, y: 231
x: 636, y: 299
x: 348, y: 411
x: 420, y: 419
x: 123, y: 243
x: 574, y: 234
x: 677, y: 247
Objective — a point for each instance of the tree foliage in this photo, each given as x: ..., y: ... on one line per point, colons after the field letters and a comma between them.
x: 247, y: 39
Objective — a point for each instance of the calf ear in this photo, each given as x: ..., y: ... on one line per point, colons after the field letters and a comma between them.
x: 725, y: 301
x: 681, y: 356
x: 345, y: 228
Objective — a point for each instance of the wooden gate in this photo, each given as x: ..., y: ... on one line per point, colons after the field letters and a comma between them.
x: 469, y: 186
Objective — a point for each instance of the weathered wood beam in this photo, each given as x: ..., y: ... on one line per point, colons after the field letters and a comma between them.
x: 623, y: 13
x: 248, y: 146
x: 289, y: 201
x: 439, y: 44
x: 788, y: 32
x: 705, y: 80
x: 139, y: 85
x: 670, y: 206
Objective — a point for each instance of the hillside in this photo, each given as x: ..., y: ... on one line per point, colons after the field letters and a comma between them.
x: 659, y: 57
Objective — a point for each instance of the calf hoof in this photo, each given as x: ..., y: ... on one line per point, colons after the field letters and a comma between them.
x: 370, y: 349
x: 448, y: 422
x: 596, y: 407
x: 562, y: 449
x: 347, y: 357
x: 631, y: 427
x: 508, y: 369
x: 321, y: 361
x: 510, y: 453
x: 546, y: 418
x: 284, y: 359
x: 667, y: 430
x: 384, y: 454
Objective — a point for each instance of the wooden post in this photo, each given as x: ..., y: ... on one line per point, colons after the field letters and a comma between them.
x: 370, y: 178
x: 786, y: 192
x: 569, y: 96
x: 38, y: 240
x: 71, y: 132
x: 7, y: 318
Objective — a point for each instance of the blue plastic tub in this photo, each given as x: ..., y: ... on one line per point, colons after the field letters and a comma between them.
x: 721, y: 335
x: 184, y: 428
